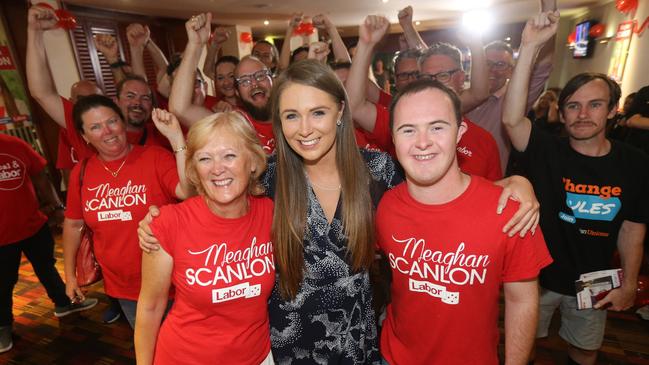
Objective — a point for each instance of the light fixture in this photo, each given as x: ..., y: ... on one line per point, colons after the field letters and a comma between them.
x: 266, y: 22
x: 384, y: 1
x: 417, y: 22
x: 478, y: 21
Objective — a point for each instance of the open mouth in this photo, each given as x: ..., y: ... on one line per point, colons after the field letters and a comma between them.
x: 310, y: 142
x: 258, y: 94
x: 223, y: 182
x: 111, y: 140
x: 424, y: 157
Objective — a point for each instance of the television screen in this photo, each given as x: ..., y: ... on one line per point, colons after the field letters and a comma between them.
x: 582, y: 43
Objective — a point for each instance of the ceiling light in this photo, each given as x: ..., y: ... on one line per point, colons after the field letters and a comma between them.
x: 477, y: 21
x: 266, y: 22
x: 417, y: 22
x: 384, y: 1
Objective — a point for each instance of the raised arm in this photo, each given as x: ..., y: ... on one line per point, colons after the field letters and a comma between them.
x: 157, y: 268
x: 521, y: 317
x: 180, y: 99
x: 285, y: 52
x: 218, y: 37
x: 39, y: 76
x: 629, y: 244
x: 369, y: 34
x: 547, y: 52
x: 479, y: 90
x: 137, y: 36
x: 106, y: 44
x: 168, y: 125
x: 318, y: 51
x: 537, y: 31
x: 338, y: 47
x: 412, y: 36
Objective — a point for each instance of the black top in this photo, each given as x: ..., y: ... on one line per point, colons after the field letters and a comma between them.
x: 331, y: 320
x: 584, y: 201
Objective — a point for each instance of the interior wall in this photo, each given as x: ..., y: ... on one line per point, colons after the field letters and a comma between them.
x: 635, y: 74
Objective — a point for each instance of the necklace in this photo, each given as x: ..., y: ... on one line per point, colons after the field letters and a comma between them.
x: 324, y: 187
x: 116, y: 172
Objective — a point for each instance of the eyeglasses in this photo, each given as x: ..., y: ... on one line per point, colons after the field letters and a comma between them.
x: 246, y: 80
x: 499, y: 65
x: 404, y: 76
x: 442, y: 77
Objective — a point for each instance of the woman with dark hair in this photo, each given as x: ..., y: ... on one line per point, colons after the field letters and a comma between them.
x: 110, y: 192
x: 637, y: 120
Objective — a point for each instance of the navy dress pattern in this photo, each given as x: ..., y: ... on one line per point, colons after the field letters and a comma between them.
x: 331, y: 320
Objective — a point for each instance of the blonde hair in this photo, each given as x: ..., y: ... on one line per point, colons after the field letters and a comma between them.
x: 291, y: 197
x: 202, y: 131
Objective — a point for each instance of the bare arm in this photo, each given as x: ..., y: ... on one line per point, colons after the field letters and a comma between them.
x: 370, y: 33
x: 107, y: 45
x: 537, y: 31
x: 412, y: 36
x: 337, y: 45
x: 218, y: 37
x: 547, y: 52
x: 638, y: 121
x: 39, y: 76
x: 48, y: 195
x: 285, y: 52
x: 629, y: 244
x: 168, y: 125
x: 137, y: 36
x: 479, y: 90
x: 521, y: 317
x: 180, y: 99
x: 157, y: 268
x: 158, y: 57
x: 71, y: 241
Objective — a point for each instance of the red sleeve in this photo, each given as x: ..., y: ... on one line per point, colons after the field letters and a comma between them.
x: 382, y: 135
x: 385, y: 99
x: 494, y: 170
x: 165, y: 227
x: 525, y: 257
x: 167, y: 172
x: 73, y: 208
x: 210, y: 101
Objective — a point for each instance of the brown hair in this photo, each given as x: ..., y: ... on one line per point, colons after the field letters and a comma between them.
x: 202, y: 131
x: 291, y: 198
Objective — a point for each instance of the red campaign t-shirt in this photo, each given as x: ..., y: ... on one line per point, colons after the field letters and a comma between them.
x: 113, y: 206
x: 385, y: 99
x: 19, y: 214
x: 66, y: 156
x: 264, y: 132
x: 224, y: 273
x: 477, y: 153
x: 150, y: 134
x: 381, y: 137
x: 448, y: 262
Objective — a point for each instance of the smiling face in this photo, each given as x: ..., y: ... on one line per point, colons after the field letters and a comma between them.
x: 224, y: 167
x: 254, y: 87
x: 136, y: 102
x: 225, y: 79
x: 425, y: 135
x: 501, y: 66
x: 438, y: 63
x: 104, y: 129
x: 586, y: 111
x: 264, y: 52
x: 308, y: 116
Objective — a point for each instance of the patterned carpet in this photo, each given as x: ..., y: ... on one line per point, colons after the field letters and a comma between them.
x: 81, y: 338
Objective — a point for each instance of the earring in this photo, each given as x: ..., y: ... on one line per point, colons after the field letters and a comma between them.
x: 339, y: 122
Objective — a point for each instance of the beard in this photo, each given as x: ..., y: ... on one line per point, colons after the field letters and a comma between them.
x: 257, y: 113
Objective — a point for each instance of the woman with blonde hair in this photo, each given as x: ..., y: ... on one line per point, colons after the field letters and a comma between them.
x: 216, y: 250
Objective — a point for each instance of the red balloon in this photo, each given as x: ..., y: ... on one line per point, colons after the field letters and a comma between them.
x: 304, y: 29
x: 246, y: 37
x: 572, y: 37
x: 597, y: 30
x: 66, y: 19
x: 626, y: 6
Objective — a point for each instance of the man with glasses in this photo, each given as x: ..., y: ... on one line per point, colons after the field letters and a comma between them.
x: 477, y: 151
x: 253, y: 80
x: 500, y: 60
x: 267, y: 53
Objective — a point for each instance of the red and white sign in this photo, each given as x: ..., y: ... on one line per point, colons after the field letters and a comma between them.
x: 6, y: 62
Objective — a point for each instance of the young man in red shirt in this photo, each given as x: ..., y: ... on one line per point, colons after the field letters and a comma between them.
x: 447, y: 250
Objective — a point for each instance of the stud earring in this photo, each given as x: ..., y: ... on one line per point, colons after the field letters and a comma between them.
x: 339, y: 122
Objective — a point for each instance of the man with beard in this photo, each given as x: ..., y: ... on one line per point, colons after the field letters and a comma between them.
x: 592, y: 192
x: 133, y: 93
x: 253, y: 79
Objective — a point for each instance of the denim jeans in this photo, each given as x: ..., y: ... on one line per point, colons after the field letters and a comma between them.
x: 129, y: 308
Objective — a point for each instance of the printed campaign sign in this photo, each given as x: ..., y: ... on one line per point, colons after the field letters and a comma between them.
x: 593, y: 207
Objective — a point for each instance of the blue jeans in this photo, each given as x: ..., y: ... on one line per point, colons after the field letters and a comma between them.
x: 129, y: 308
